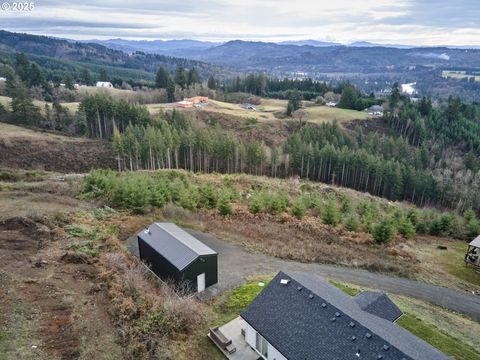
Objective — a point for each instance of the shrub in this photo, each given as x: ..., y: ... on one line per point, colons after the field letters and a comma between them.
x: 331, y: 215
x: 383, y: 232
x: 298, y: 208
x: 208, y: 197
x: 347, y: 205
x: 188, y: 199
x: 276, y: 203
x: 351, y: 223
x: 473, y: 229
x: 256, y: 203
x: 224, y: 206
x: 7, y: 175
x: 406, y: 229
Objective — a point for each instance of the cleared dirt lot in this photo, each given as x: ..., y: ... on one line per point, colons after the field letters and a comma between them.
x: 50, y: 308
x: 21, y: 148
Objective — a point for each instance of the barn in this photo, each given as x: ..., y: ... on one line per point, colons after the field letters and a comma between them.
x: 174, y: 254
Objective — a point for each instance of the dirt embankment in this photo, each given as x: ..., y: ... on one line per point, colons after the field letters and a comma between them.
x: 22, y: 148
x: 50, y: 308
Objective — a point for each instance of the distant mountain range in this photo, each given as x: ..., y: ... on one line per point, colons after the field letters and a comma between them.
x: 280, y: 59
x: 191, y: 48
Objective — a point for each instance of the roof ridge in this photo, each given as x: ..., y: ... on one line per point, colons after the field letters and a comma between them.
x: 176, y: 237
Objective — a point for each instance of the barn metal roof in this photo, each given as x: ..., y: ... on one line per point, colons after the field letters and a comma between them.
x: 306, y: 318
x: 476, y: 242
x: 174, y: 244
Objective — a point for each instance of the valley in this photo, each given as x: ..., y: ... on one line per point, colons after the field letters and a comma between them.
x: 359, y: 164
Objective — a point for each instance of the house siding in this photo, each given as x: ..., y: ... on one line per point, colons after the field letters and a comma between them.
x: 250, y: 338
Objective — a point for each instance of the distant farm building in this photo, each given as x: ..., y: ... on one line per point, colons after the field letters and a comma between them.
x: 104, y: 84
x: 3, y: 79
x: 331, y: 104
x: 197, y: 99
x: 184, y: 104
x: 375, y: 110
x: 173, y: 254
x: 472, y: 257
x: 248, y: 106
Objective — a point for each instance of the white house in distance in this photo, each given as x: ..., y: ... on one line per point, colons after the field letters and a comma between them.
x: 104, y: 84
x: 2, y: 79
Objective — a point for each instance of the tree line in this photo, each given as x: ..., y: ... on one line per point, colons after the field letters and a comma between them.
x: 140, y: 192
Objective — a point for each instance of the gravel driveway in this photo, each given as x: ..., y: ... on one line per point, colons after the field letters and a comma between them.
x: 234, y: 263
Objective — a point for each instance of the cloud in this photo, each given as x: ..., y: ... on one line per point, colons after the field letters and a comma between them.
x: 421, y: 22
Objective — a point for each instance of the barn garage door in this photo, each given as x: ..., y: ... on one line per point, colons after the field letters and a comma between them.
x: 201, y: 282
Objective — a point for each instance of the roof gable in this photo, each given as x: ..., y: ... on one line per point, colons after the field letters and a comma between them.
x: 308, y: 319
x: 379, y: 304
x: 476, y: 242
x: 174, y: 244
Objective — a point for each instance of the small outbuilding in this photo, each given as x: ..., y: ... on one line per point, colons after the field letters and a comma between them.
x: 472, y: 257
x: 104, y: 84
x: 174, y: 254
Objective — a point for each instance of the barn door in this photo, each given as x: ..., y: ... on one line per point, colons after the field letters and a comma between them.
x: 201, y: 282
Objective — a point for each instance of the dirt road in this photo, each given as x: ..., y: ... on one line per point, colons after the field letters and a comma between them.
x: 235, y: 263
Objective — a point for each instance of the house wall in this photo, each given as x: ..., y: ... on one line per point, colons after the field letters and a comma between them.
x: 250, y: 338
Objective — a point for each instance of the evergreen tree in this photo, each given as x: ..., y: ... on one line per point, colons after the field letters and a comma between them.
x: 86, y: 77
x: 349, y: 98
x: 193, y: 77
x: 383, y: 232
x: 180, y: 77
x: 170, y: 90
x: 103, y: 75
x: 212, y: 83
x: 224, y: 206
x: 294, y: 102
x: 330, y: 214
x: 162, y: 78
x: 23, y: 110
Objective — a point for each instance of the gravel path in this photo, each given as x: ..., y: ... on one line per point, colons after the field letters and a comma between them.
x: 234, y: 263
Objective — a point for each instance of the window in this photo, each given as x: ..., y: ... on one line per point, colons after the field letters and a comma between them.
x: 261, y: 345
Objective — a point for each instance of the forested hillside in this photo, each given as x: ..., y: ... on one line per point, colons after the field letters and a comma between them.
x: 53, y: 53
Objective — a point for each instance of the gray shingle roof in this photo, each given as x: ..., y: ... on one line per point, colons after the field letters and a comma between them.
x: 311, y: 319
x: 174, y: 244
x: 476, y: 242
x: 378, y: 303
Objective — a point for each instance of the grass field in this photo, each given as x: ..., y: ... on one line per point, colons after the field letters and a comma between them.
x: 270, y: 109
x: 452, y: 261
x: 72, y: 107
x: 459, y: 75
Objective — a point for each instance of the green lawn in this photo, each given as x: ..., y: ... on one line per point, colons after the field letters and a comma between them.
x: 437, y: 338
x: 319, y: 114
x: 446, y: 343
x: 452, y: 261
x: 352, y: 291
x: 231, y: 304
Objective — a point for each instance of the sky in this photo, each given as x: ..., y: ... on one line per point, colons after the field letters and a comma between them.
x: 410, y: 22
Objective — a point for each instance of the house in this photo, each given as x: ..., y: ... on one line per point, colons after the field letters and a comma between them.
x: 197, y: 99
x: 173, y: 254
x: 331, y: 104
x: 104, y: 84
x: 375, y: 110
x: 2, y: 79
x: 300, y: 316
x: 472, y: 257
x: 184, y: 104
x: 248, y: 106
